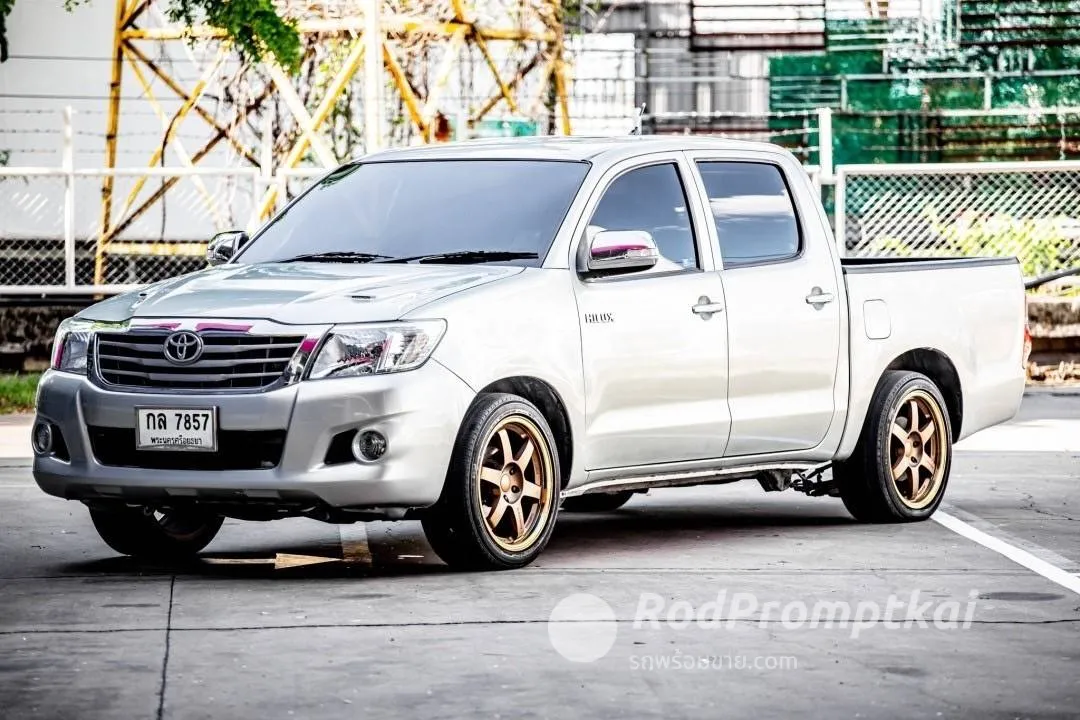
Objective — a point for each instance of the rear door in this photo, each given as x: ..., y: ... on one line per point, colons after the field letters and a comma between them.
x: 654, y: 363
x: 783, y: 307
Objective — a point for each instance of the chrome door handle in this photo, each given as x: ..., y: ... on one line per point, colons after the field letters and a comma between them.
x: 706, y: 308
x: 817, y: 298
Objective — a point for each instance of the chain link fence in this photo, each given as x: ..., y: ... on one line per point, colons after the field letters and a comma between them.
x: 1027, y: 210
x: 51, y: 224
x: 32, y: 232
x: 169, y: 238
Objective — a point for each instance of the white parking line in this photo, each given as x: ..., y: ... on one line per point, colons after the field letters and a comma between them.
x: 1021, y: 557
x: 1043, y: 553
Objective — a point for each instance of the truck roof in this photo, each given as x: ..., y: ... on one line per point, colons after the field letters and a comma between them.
x: 573, y: 148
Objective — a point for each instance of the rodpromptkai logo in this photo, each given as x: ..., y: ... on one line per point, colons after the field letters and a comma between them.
x: 583, y: 628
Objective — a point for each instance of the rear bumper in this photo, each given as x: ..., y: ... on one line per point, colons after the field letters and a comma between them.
x: 419, y: 412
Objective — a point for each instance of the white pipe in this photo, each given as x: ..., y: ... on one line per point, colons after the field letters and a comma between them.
x: 372, y: 78
x: 68, y: 163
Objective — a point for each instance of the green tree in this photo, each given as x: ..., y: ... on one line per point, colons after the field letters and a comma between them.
x: 253, y: 25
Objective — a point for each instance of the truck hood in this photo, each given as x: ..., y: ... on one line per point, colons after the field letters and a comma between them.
x: 298, y: 293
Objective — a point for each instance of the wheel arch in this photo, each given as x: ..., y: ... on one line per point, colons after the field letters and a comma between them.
x: 937, y: 366
x: 550, y: 404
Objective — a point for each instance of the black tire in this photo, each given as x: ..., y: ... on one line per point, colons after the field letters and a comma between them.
x: 457, y: 527
x: 147, y: 534
x: 597, y: 502
x: 865, y: 480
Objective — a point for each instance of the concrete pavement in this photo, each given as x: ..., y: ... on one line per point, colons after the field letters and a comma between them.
x: 86, y: 634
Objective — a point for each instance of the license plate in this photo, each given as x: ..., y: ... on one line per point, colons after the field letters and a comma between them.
x: 176, y: 429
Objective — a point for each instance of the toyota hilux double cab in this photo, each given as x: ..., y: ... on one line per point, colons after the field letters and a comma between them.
x: 478, y: 335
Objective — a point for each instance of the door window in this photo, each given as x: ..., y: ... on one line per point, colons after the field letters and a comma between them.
x: 753, y: 213
x: 651, y: 199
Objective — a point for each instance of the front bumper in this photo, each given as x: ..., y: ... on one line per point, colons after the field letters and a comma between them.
x: 419, y: 412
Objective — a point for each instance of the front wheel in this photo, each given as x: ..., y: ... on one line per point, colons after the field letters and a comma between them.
x: 501, y: 496
x: 900, y: 467
x: 152, y: 534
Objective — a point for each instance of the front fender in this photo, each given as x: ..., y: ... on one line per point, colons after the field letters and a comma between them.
x: 521, y: 327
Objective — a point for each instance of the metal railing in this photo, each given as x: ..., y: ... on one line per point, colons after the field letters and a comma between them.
x: 51, y: 234
x: 51, y: 238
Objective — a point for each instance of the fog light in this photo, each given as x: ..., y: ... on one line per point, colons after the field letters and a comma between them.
x: 368, y: 446
x: 42, y: 438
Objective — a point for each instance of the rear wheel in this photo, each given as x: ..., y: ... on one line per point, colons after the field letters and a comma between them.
x: 900, y: 467
x: 597, y: 502
x: 152, y: 534
x: 501, y: 496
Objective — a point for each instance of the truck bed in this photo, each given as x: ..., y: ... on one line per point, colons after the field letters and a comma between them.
x: 969, y: 312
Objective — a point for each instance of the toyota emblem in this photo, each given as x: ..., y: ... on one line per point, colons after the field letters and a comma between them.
x: 183, y: 348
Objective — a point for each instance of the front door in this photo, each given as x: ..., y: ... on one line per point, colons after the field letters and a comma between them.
x: 654, y: 361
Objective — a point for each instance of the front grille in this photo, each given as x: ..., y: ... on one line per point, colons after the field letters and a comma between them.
x: 230, y: 361
x: 237, y: 450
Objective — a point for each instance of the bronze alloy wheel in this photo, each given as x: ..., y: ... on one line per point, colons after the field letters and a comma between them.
x: 500, y: 501
x: 899, y: 468
x: 516, y: 483
x: 917, y: 447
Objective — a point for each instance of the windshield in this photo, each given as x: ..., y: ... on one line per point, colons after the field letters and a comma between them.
x: 505, y: 211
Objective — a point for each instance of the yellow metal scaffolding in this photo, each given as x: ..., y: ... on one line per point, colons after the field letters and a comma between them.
x: 532, y: 27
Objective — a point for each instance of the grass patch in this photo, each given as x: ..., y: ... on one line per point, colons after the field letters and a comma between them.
x: 17, y: 392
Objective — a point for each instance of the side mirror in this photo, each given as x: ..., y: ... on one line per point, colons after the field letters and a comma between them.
x: 224, y: 245
x: 620, y: 250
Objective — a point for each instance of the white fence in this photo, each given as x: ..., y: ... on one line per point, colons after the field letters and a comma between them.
x: 51, y: 219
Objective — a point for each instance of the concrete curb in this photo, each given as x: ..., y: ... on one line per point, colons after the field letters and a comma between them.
x: 15, y: 437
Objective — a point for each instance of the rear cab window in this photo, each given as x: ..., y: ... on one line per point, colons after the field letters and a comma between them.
x: 753, y: 212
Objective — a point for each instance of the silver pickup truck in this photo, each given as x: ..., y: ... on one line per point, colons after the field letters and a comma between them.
x: 475, y: 335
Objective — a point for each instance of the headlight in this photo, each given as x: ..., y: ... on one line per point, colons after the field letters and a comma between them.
x: 71, y: 344
x: 353, y: 350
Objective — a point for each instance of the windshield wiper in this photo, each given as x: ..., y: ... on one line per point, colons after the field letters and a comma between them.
x: 343, y: 256
x: 466, y: 256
